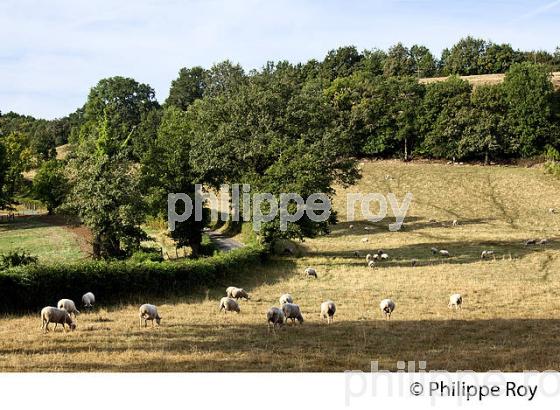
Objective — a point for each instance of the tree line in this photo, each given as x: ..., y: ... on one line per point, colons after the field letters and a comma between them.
x: 284, y: 128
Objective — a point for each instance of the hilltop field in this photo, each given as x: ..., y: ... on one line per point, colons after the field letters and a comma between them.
x: 510, y: 320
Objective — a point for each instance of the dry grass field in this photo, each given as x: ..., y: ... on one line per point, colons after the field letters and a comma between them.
x: 488, y: 79
x: 510, y: 320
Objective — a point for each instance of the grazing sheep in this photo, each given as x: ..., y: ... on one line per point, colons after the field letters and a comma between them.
x: 350, y: 226
x: 455, y: 301
x: 292, y: 311
x: 444, y: 252
x: 365, y: 240
x: 369, y: 257
x: 552, y: 210
x: 286, y: 298
x: 274, y: 318
x: 149, y: 312
x: 530, y: 242
x: 311, y: 272
x: 367, y: 228
x: 356, y: 254
x: 371, y: 264
x: 376, y: 257
x: 434, y: 251
x: 384, y: 257
x: 387, y: 306
x: 68, y: 305
x: 51, y: 314
x: 542, y: 242
x: 229, y: 305
x: 485, y: 254
x: 328, y: 308
x: 88, y: 300
x: 455, y: 223
x: 237, y: 293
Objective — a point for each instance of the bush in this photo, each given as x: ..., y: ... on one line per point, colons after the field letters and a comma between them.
x: 15, y: 258
x: 29, y: 288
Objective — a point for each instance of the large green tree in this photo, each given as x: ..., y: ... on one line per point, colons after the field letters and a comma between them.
x: 50, y: 184
x: 188, y: 87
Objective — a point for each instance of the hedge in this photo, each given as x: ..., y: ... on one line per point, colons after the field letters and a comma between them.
x: 32, y: 287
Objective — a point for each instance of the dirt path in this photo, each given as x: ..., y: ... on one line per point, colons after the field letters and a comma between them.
x: 223, y: 242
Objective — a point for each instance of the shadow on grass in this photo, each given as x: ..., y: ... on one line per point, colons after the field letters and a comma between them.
x: 479, y: 345
x: 462, y: 252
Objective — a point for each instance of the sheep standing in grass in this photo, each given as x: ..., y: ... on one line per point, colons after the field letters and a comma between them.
x: 286, y: 298
x: 274, y: 318
x: 387, y: 307
x: 369, y: 257
x: 455, y: 301
x: 486, y: 254
x: 51, y: 314
x: 435, y: 251
x: 328, y: 309
x: 292, y: 311
x: 384, y: 257
x: 88, y: 300
x: 68, y: 305
x: 444, y: 253
x: 237, y: 293
x: 229, y: 305
x: 311, y: 272
x: 371, y: 264
x: 530, y: 242
x: 149, y: 312
x: 542, y: 242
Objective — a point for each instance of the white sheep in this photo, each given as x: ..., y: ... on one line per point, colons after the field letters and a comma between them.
x: 286, y: 298
x: 387, y: 307
x: 369, y: 257
x: 455, y: 301
x: 51, y: 314
x: 434, y: 251
x: 350, y: 226
x: 292, y: 311
x: 552, y: 210
x: 455, y: 222
x: 542, y: 242
x: 311, y: 272
x: 68, y: 305
x: 371, y: 264
x: 149, y: 312
x: 485, y: 254
x: 88, y: 300
x: 237, y: 293
x: 274, y: 318
x: 384, y: 257
x: 229, y: 305
x: 328, y: 309
x: 444, y: 252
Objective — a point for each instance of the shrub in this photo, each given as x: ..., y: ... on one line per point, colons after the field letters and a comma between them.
x: 32, y: 287
x: 16, y: 258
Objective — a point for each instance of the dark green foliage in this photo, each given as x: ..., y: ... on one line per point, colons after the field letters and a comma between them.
x: 32, y: 287
x: 16, y: 258
x: 50, y: 185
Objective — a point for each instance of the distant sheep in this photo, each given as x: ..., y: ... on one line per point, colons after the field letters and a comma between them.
x: 229, y: 305
x: 237, y: 293
x: 149, y: 312
x: 286, y: 298
x: 444, y: 253
x: 387, y: 307
x: 68, y: 305
x: 486, y: 254
x: 350, y: 226
x: 435, y: 251
x: 369, y: 257
x: 384, y: 257
x: 455, y: 223
x: 530, y: 242
x: 328, y: 309
x: 275, y: 317
x: 371, y: 264
x: 51, y: 314
x: 356, y: 254
x: 292, y: 311
x: 88, y: 300
x: 552, y: 210
x: 311, y: 272
x: 414, y: 262
x: 542, y: 242
x: 455, y: 301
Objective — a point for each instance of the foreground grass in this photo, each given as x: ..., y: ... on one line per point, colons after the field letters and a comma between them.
x: 37, y: 235
x: 509, y: 320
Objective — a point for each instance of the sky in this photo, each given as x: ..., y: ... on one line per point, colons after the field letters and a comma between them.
x: 52, y: 52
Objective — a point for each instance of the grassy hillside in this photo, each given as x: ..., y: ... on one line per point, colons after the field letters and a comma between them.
x: 509, y: 320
